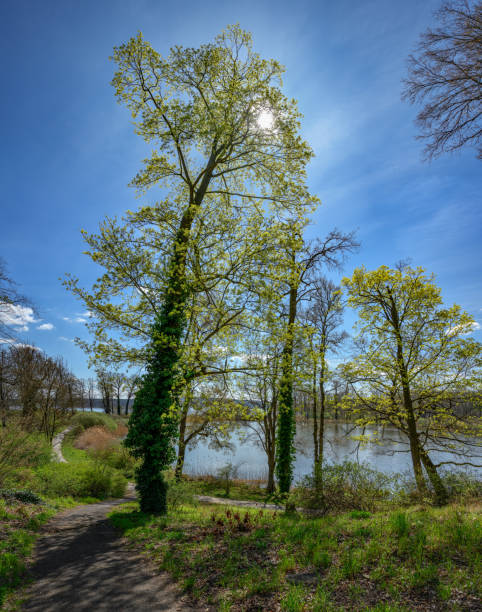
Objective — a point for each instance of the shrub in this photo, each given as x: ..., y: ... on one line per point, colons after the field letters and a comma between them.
x: 226, y: 475
x: 348, y: 486
x: 462, y: 485
x: 118, y: 457
x: 20, y: 449
x: 94, y: 438
x: 90, y: 419
x: 179, y: 494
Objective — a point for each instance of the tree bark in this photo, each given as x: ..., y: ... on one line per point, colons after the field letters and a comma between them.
x: 441, y: 495
x: 322, y: 410
x: 286, y: 421
x: 315, y: 415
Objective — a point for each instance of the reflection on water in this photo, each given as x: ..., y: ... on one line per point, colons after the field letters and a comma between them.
x: 391, y: 456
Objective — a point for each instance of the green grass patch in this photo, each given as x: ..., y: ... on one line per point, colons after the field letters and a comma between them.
x: 19, y: 524
x: 215, y: 487
x: 237, y: 559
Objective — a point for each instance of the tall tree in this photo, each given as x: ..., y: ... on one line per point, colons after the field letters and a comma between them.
x: 7, y: 381
x: 301, y: 263
x: 414, y: 364
x: 324, y: 317
x: 207, y: 109
x: 445, y: 74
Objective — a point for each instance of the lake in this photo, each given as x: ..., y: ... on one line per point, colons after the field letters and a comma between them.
x: 251, y: 459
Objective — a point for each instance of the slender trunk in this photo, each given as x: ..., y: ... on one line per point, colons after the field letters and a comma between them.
x: 270, y: 426
x: 315, y: 415
x: 181, y: 453
x: 322, y: 410
x: 118, y: 406
x: 271, y: 468
x: 441, y: 494
x: 416, y: 461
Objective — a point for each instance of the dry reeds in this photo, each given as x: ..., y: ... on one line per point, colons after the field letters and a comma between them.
x: 95, y: 439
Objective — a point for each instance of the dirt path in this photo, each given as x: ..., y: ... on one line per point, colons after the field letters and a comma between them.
x: 82, y: 564
x: 225, y: 501
x: 57, y: 445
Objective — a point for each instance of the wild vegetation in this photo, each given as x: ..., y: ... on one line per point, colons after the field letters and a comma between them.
x: 34, y: 485
x: 420, y: 558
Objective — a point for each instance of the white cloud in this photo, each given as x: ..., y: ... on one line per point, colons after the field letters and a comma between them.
x: 463, y: 330
x: 65, y: 339
x: 16, y: 316
x: 79, y: 318
x: 86, y: 314
x: 46, y: 326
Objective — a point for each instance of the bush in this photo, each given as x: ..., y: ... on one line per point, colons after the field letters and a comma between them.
x: 85, y: 420
x: 94, y: 438
x: 21, y: 449
x: 118, y: 457
x: 80, y: 480
x: 462, y: 485
x: 348, y: 486
x: 179, y: 494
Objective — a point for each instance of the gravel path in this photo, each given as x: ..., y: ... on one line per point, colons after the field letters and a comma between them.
x: 82, y: 564
x: 223, y: 501
x: 57, y: 445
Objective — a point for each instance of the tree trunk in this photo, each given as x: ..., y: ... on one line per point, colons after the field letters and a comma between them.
x: 271, y: 468
x: 153, y: 426
x: 441, y: 495
x: 181, y: 452
x: 286, y: 421
x: 407, y: 403
x: 315, y: 415
x: 322, y: 411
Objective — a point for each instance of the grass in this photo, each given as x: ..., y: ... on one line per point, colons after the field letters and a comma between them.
x: 239, y: 489
x: 19, y: 526
x: 415, y: 559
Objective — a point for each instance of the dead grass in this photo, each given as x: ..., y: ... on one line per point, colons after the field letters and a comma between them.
x: 95, y: 439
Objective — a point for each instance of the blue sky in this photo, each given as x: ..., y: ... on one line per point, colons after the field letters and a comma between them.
x: 69, y: 149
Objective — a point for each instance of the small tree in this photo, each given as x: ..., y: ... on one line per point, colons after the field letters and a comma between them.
x: 105, y: 384
x: 445, y: 74
x: 413, y: 365
x: 91, y: 393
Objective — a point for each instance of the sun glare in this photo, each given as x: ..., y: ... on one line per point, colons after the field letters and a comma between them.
x: 265, y: 120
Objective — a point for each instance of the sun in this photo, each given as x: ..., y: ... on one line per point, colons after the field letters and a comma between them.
x: 265, y: 120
